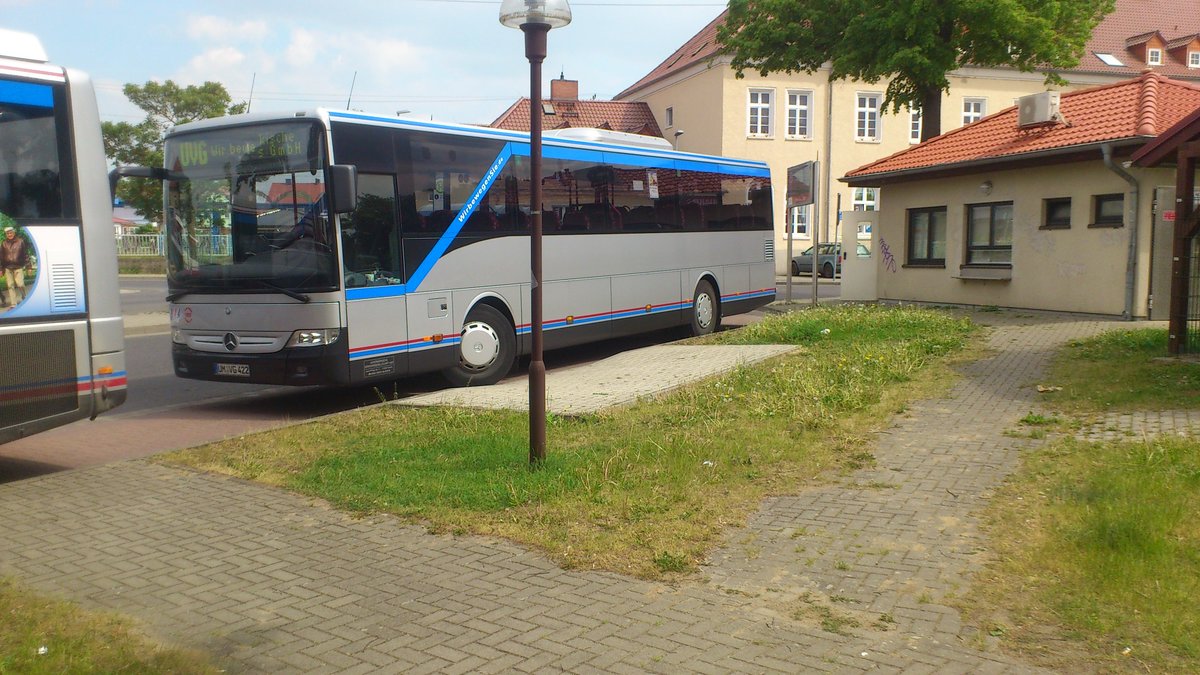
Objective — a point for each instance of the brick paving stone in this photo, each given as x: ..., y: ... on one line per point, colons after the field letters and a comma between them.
x: 270, y: 581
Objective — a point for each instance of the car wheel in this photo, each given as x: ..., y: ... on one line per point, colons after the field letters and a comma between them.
x: 706, y: 309
x: 487, y: 350
x: 827, y: 270
x: 795, y: 268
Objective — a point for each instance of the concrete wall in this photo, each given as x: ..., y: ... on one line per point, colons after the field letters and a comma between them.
x: 1080, y: 269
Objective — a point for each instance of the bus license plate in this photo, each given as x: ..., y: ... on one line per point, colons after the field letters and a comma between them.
x: 233, y: 369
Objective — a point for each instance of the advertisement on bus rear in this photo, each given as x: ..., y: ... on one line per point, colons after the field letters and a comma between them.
x: 41, y: 271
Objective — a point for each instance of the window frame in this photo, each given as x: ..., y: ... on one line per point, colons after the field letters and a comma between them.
x: 798, y: 223
x: 970, y: 116
x: 926, y: 259
x: 670, y: 116
x: 797, y: 131
x: 991, y: 226
x: 866, y: 116
x: 869, y: 200
x: 916, y: 125
x: 1057, y: 223
x: 1193, y: 60
x: 754, y: 112
x: 1107, y: 221
x: 1154, y: 56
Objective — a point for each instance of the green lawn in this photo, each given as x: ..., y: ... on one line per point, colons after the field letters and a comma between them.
x: 1098, y: 544
x: 644, y: 490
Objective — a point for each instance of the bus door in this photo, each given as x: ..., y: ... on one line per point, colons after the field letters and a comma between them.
x: 373, y: 273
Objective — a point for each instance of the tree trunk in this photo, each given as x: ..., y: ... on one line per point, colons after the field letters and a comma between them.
x: 931, y: 113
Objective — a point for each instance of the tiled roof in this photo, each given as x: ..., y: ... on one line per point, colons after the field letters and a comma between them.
x: 702, y: 46
x: 1140, y: 108
x: 632, y: 117
x: 1132, y: 19
x: 1140, y: 20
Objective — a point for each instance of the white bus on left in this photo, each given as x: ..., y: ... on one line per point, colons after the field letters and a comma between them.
x: 62, y: 348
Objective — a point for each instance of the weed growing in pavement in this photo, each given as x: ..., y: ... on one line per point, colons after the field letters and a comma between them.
x: 1097, y: 548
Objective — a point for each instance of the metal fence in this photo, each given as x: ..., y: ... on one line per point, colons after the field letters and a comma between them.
x: 131, y: 245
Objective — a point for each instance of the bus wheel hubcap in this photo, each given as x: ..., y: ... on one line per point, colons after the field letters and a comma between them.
x: 480, y: 345
x: 704, y: 310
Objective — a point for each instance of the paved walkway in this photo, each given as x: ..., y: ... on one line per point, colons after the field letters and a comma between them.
x: 269, y: 581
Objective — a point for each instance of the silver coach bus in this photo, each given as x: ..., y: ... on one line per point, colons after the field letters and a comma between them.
x: 62, y: 345
x: 365, y: 248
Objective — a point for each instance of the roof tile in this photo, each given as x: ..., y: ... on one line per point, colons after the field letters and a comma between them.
x: 1140, y: 107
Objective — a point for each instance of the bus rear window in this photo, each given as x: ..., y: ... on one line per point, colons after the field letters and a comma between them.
x: 30, y: 151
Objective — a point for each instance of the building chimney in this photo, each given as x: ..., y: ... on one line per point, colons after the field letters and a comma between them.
x: 564, y: 89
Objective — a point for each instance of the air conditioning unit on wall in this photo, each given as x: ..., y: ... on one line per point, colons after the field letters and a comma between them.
x: 1038, y: 109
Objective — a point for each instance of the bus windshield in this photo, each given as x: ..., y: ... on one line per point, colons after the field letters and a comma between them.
x: 246, y: 210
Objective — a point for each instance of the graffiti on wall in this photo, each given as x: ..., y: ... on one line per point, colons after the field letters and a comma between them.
x: 889, y: 260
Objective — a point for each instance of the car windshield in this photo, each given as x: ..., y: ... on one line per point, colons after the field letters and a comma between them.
x: 246, y: 210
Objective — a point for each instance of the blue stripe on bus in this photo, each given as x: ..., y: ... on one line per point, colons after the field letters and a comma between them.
x: 26, y: 93
x: 443, y: 242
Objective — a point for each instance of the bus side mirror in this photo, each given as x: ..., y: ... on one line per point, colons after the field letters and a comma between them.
x: 343, y: 188
x: 132, y: 171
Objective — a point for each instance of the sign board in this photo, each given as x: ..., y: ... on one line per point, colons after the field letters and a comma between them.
x: 801, y: 184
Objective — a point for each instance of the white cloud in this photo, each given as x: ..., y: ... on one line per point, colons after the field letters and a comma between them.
x: 219, y: 30
x: 302, y: 51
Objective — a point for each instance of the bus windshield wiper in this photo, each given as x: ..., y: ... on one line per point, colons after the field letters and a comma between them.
x: 288, y: 292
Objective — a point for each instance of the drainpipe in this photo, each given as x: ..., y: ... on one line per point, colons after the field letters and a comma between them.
x: 1131, y: 224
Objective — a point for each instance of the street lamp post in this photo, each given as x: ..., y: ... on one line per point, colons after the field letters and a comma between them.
x: 535, y: 18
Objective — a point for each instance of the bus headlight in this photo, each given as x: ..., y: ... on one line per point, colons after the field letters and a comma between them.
x: 314, y: 338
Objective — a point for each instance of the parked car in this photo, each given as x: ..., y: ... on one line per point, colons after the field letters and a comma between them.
x: 829, y: 262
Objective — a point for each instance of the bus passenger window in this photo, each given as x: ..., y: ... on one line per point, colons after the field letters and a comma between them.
x: 370, y: 246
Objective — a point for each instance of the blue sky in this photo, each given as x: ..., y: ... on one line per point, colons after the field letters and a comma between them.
x: 449, y: 60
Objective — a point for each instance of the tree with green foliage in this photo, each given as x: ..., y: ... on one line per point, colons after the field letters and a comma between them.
x: 166, y: 104
x: 913, y: 43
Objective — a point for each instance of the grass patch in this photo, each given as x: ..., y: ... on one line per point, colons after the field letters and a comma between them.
x: 1124, y: 370
x: 645, y: 490
x: 46, y: 636
x: 1097, y: 545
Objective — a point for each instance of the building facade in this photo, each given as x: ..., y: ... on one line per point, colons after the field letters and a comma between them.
x: 789, y: 119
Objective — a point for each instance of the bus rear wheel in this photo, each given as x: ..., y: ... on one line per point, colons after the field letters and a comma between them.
x: 487, y: 350
x: 706, y: 309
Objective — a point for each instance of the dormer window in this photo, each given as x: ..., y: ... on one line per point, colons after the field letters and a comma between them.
x: 1153, y: 57
x: 1109, y: 60
x: 1193, y: 59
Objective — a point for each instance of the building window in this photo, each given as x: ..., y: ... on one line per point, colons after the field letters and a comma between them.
x: 799, y: 222
x: 914, y: 125
x: 927, y: 236
x: 1193, y: 59
x: 866, y: 111
x: 799, y: 108
x: 1056, y: 213
x: 1108, y: 210
x: 973, y: 110
x: 866, y: 199
x: 1109, y: 60
x: 1154, y: 57
x: 759, y: 113
x: 670, y: 117
x: 989, y: 234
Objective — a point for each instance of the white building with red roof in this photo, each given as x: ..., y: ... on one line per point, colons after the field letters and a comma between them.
x: 1036, y: 206
x: 785, y: 119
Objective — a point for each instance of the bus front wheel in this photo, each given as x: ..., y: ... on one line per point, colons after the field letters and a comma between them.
x: 487, y: 351
x: 706, y: 309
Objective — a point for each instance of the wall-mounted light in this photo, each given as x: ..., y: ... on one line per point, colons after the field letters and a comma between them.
x: 986, y: 187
